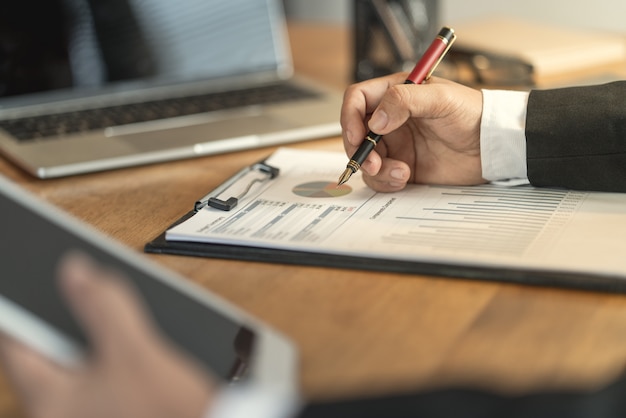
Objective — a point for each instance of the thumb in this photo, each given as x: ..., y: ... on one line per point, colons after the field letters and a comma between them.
x: 405, y: 101
x: 106, y: 306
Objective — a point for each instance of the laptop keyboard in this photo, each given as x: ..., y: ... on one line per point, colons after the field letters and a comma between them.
x: 50, y: 126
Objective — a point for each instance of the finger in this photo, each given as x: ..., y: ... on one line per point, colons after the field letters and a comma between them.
x: 405, y: 101
x: 392, y: 176
x: 106, y: 306
x: 36, y: 379
x: 359, y: 100
x: 372, y: 164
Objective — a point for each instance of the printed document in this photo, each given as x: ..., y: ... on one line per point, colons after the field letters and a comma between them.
x: 490, y: 226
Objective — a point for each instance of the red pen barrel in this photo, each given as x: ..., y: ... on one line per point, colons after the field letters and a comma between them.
x: 431, y: 57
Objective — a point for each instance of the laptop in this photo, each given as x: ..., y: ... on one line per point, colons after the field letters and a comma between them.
x: 90, y: 85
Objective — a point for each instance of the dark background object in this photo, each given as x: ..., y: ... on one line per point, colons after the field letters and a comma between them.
x: 391, y: 35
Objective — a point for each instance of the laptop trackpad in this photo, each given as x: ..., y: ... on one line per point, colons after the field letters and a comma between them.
x: 174, y: 134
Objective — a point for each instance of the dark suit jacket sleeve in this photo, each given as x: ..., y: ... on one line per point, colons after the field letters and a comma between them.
x: 576, y: 137
x: 609, y: 402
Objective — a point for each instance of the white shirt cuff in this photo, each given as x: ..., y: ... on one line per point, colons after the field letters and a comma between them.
x: 502, y: 136
x: 247, y: 402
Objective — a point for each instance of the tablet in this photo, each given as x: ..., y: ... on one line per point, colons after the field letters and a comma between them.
x: 232, y: 344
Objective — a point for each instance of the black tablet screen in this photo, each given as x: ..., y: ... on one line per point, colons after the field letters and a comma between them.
x: 30, y: 249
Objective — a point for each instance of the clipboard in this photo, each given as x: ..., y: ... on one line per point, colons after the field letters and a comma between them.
x: 451, y: 268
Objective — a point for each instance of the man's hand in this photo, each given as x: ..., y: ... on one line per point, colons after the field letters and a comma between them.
x: 431, y: 131
x: 132, y: 372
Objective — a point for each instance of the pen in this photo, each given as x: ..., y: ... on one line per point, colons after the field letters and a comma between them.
x: 421, y: 72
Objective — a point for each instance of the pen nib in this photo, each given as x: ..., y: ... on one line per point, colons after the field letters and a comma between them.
x: 347, y: 173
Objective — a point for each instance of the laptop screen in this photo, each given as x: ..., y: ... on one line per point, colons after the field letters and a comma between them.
x: 61, y: 46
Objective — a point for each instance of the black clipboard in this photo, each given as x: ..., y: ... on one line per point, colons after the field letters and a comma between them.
x: 549, y: 278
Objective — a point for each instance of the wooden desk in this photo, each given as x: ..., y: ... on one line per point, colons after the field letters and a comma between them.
x: 358, y: 331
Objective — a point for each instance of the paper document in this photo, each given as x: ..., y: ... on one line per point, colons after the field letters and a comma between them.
x: 517, y: 227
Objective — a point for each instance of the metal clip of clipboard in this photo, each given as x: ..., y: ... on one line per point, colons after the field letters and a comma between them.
x: 266, y: 173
